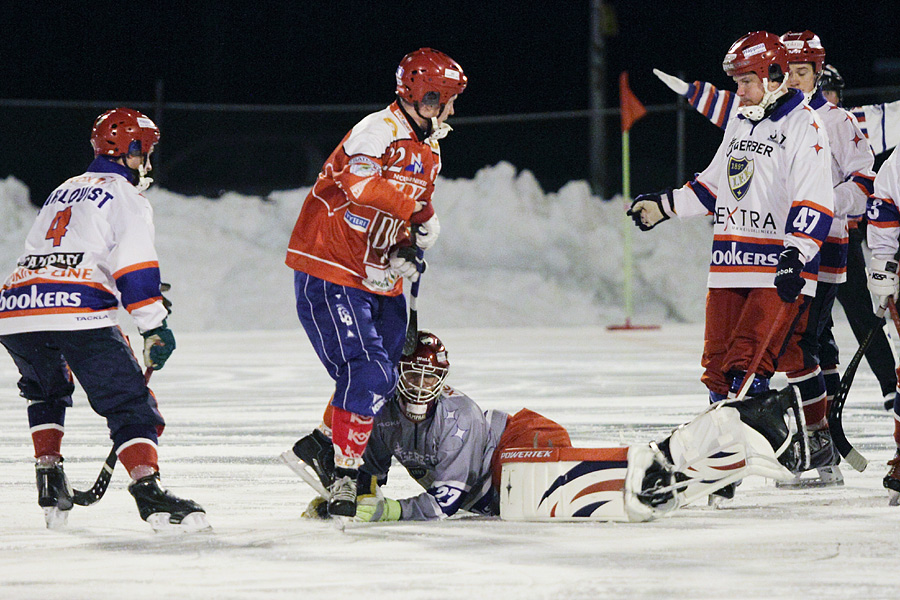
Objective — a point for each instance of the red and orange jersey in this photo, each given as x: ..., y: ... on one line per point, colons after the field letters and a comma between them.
x: 360, y: 205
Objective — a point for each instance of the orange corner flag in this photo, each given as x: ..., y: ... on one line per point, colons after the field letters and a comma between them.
x: 632, y: 109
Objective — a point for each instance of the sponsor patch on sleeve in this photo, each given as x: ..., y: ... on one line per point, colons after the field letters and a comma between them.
x: 363, y: 166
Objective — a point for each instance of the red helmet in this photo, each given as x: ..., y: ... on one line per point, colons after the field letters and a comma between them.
x: 429, y: 72
x: 123, y: 131
x: 757, y: 52
x: 422, y: 375
x: 804, y: 47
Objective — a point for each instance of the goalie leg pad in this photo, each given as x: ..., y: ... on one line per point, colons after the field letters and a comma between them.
x: 718, y: 447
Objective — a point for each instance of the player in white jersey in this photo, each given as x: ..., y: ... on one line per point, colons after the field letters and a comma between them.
x: 453, y: 449
x: 91, y: 250
x: 719, y: 106
x: 811, y: 357
x: 768, y: 189
x: 884, y: 228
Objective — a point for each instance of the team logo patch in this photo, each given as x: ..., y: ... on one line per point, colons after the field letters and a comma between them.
x: 740, y: 172
x: 356, y: 222
x: 416, y: 165
x: 363, y: 166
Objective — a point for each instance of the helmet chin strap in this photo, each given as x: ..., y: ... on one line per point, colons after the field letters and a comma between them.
x: 438, y: 130
x: 143, y: 181
x: 758, y: 111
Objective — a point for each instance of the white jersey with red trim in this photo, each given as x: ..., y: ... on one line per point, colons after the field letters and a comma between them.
x: 883, y: 213
x: 90, y: 250
x: 852, y: 176
x: 768, y: 187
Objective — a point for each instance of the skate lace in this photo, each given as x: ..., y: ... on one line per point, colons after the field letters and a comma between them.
x: 344, y: 489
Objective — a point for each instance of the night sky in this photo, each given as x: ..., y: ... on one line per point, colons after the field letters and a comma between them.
x: 519, y: 57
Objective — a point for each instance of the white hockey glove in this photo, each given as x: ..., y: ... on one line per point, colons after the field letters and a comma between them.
x: 427, y: 233
x: 675, y: 84
x: 883, y: 278
x: 649, y: 210
x: 403, y: 263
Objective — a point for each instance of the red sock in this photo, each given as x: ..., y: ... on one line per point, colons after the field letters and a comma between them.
x: 47, y: 440
x: 350, y: 434
x: 138, y: 452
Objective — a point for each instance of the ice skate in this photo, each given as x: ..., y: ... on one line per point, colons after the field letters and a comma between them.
x: 54, y: 491
x: 164, y: 511
x: 312, y: 458
x: 823, y: 462
x: 342, y: 500
x: 891, y: 481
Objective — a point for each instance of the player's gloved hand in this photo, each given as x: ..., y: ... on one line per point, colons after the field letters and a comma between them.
x: 675, y: 84
x: 316, y: 509
x: 403, y: 263
x: 788, y: 280
x: 375, y: 507
x: 649, y: 210
x: 427, y: 233
x: 883, y: 278
x: 422, y: 214
x: 159, y: 344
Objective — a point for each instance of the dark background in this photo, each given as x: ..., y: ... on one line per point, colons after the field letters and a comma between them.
x: 520, y: 57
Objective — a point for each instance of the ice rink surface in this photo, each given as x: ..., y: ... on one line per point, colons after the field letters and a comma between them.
x: 235, y: 400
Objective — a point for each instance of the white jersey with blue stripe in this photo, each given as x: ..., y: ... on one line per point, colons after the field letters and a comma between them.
x: 767, y: 187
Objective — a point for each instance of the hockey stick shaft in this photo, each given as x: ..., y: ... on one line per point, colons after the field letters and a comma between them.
x: 754, y: 364
x: 835, y: 412
x: 412, y: 328
x: 86, y: 498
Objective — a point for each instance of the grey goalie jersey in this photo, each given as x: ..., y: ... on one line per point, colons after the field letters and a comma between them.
x: 448, y: 454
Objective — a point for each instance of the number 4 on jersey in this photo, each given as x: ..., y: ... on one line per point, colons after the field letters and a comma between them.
x: 58, y: 226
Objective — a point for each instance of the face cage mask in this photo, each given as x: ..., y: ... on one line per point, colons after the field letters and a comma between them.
x: 416, y: 398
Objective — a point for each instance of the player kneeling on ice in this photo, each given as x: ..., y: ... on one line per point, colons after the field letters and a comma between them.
x: 90, y: 251
x: 523, y: 466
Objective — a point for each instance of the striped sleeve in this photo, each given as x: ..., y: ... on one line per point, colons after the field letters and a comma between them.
x: 882, y: 211
x: 719, y: 106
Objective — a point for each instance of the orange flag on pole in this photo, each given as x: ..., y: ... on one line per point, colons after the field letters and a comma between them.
x: 632, y: 109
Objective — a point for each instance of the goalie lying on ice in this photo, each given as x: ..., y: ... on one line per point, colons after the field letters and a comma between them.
x: 523, y: 467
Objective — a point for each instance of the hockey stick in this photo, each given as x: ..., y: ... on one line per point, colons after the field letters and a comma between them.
x: 91, y: 496
x: 754, y: 364
x: 412, y: 329
x: 835, y: 413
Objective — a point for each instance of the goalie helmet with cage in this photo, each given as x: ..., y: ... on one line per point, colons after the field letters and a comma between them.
x: 762, y: 53
x: 428, y: 76
x: 122, y: 132
x: 422, y: 375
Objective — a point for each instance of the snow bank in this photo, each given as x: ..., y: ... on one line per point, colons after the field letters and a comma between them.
x: 509, y: 255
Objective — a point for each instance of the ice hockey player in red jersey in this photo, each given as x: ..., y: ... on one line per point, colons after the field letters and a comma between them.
x: 768, y: 189
x: 90, y: 251
x: 351, y: 248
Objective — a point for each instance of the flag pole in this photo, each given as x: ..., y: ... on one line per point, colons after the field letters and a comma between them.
x: 632, y: 110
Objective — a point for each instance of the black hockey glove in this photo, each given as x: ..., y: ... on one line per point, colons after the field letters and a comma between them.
x: 788, y: 281
x: 649, y: 210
